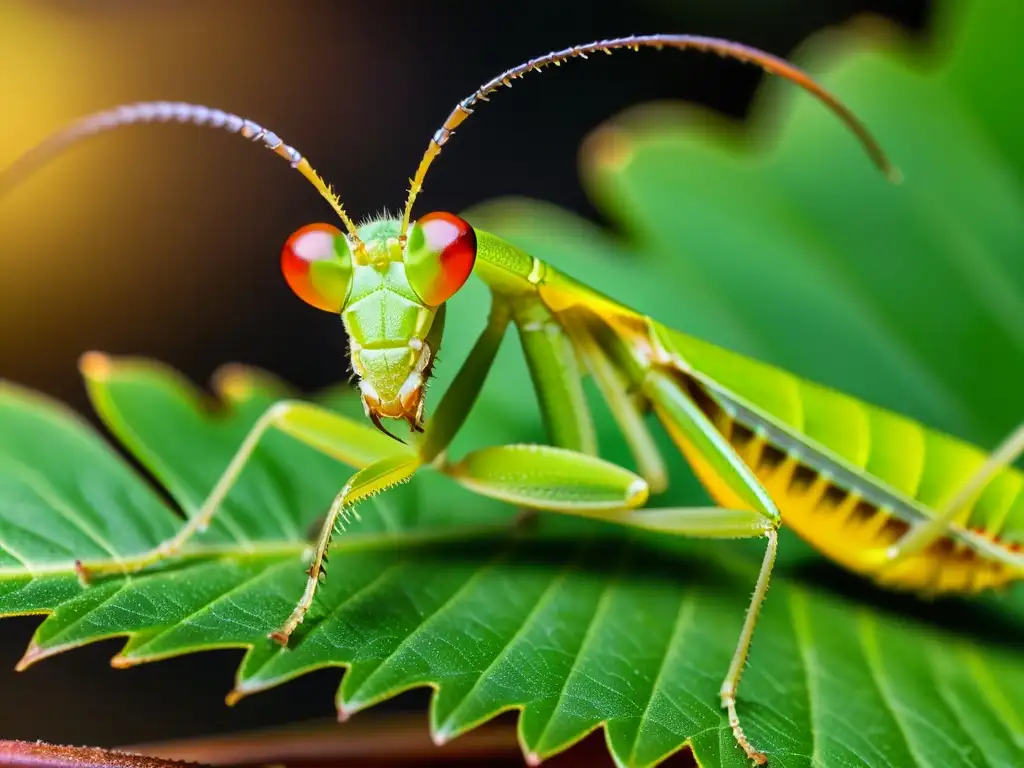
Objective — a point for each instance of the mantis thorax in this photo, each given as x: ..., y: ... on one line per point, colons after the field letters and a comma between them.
x: 389, y: 328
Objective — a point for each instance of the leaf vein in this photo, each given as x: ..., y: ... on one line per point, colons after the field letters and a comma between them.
x: 684, y: 617
x: 595, y: 620
x: 50, y: 494
x: 466, y: 587
x: 225, y: 595
x: 163, y: 470
x: 946, y: 695
x: 88, y: 614
x: 277, y: 479
x: 323, y: 622
x: 866, y: 636
x: 993, y: 696
x: 801, y: 622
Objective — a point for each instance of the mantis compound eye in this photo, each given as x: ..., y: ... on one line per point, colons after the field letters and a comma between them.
x: 317, y: 263
x: 439, y: 256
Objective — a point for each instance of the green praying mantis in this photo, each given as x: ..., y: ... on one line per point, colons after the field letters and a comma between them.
x: 874, y: 491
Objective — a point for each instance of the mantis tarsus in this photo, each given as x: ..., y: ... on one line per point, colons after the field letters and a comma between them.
x: 936, y: 515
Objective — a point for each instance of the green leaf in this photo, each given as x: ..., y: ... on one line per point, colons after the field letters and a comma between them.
x: 797, y: 253
x: 982, y: 71
x: 575, y: 624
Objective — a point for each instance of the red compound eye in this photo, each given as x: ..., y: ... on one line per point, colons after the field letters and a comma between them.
x: 317, y: 264
x: 439, y: 257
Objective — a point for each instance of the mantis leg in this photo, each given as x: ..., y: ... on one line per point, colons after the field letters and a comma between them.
x: 543, y: 477
x: 458, y: 400
x: 615, y: 389
x: 549, y: 478
x: 923, y: 534
x: 718, y: 523
x: 554, y: 368
x: 375, y: 478
x: 349, y: 441
x: 732, y: 484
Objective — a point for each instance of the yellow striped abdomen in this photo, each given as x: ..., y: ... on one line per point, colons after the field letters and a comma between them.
x: 842, y: 525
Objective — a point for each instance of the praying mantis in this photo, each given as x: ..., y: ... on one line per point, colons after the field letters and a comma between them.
x: 876, y: 492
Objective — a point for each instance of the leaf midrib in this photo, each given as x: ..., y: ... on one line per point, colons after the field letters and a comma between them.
x: 262, y: 550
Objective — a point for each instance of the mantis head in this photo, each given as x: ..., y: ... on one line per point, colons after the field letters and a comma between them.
x: 390, y: 297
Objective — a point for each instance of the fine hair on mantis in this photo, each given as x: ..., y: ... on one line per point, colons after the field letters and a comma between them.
x: 745, y: 427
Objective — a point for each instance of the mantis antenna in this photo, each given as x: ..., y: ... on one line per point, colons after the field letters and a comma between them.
x: 165, y: 112
x: 724, y: 48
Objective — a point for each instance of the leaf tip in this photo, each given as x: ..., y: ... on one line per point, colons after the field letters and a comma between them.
x: 234, y: 696
x: 233, y: 382
x: 533, y: 759
x: 95, y: 366
x: 121, y: 661
x: 32, y: 654
x: 241, y: 690
x: 440, y: 737
x: 609, y: 148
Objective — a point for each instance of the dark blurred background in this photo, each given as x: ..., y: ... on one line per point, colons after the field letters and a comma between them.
x: 164, y: 241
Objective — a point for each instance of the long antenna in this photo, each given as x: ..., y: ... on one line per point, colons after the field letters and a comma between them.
x: 725, y: 48
x: 165, y: 112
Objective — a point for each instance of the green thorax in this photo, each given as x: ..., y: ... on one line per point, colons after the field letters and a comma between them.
x: 387, y: 323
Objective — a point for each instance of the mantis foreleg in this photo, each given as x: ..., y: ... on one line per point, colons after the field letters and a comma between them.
x: 367, y: 481
x: 614, y: 387
x: 459, y: 398
x: 349, y: 441
x: 556, y: 376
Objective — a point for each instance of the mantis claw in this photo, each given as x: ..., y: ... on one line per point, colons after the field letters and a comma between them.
x: 375, y: 418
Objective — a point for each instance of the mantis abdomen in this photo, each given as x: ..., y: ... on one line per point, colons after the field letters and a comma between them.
x: 851, y: 478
